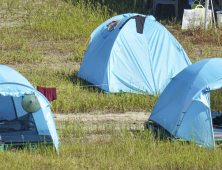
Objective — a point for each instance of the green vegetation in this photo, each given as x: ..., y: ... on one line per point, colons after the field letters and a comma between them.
x: 101, y: 146
x: 44, y: 39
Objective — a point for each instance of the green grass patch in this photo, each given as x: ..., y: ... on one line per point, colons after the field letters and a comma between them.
x: 85, y: 147
x: 72, y: 97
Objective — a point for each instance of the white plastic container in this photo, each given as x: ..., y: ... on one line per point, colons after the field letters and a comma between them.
x: 219, y: 19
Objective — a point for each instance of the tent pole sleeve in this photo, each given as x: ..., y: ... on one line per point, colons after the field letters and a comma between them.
x: 126, y: 21
x: 181, y: 117
x: 187, y: 105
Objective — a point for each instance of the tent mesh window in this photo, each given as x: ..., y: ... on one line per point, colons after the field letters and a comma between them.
x: 13, y: 117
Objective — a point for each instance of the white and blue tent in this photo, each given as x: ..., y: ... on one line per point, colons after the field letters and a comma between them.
x: 16, y: 124
x: 183, y: 109
x: 132, y: 53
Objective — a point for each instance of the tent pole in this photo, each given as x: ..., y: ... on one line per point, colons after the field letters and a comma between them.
x: 212, y: 9
x: 206, y: 11
x: 13, y: 102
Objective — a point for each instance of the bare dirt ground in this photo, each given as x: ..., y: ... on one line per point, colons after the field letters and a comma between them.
x: 133, y: 118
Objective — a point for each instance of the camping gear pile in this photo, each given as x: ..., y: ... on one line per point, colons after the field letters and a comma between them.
x: 25, y: 115
x: 199, y: 16
x: 194, y: 18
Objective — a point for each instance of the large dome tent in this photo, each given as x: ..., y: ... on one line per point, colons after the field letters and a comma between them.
x: 18, y: 123
x: 131, y: 53
x: 183, y: 109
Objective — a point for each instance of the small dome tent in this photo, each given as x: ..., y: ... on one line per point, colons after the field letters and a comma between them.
x: 131, y: 53
x: 18, y: 125
x: 183, y: 109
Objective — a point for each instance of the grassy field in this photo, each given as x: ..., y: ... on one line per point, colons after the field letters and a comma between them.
x: 100, y: 146
x: 44, y: 39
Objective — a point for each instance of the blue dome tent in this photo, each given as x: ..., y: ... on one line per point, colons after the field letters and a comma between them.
x: 131, y: 53
x: 183, y: 109
x: 18, y: 126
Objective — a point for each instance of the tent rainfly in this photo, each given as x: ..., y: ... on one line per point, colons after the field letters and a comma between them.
x: 183, y: 109
x: 132, y: 53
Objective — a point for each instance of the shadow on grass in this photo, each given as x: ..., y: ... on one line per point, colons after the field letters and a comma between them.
x: 144, y: 134
x: 77, y: 81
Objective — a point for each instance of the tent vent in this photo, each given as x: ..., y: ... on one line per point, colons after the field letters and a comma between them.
x: 140, y: 20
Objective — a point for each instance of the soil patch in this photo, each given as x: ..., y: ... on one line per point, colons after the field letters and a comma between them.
x: 133, y: 118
